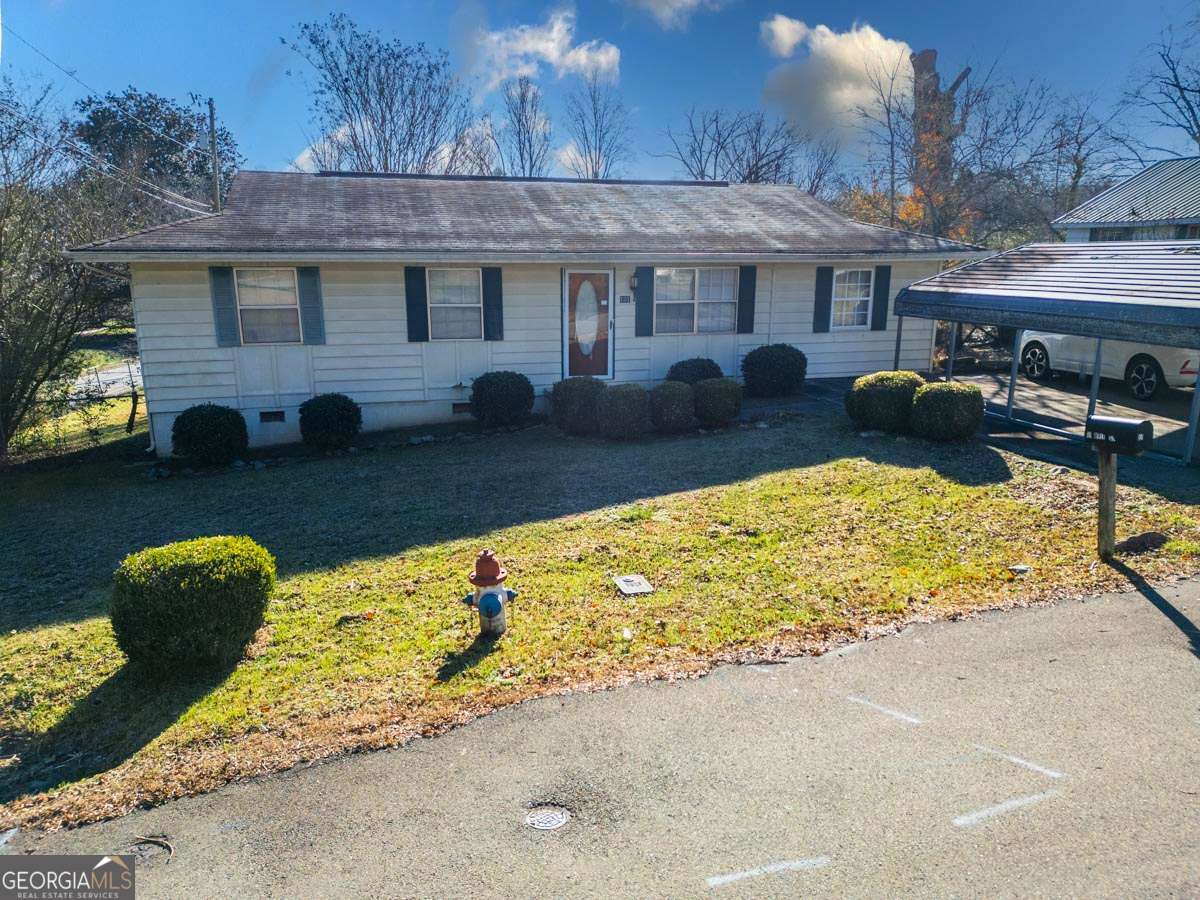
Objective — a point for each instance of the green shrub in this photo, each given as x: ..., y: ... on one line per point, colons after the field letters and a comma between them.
x: 947, y: 411
x: 689, y: 371
x: 624, y: 412
x: 330, y: 421
x: 883, y: 401
x: 673, y: 407
x: 775, y: 370
x: 194, y: 604
x: 718, y: 401
x: 209, y: 435
x: 500, y: 399
x: 574, y: 403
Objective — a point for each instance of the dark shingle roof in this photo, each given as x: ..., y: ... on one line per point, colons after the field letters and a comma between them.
x: 279, y: 212
x: 1168, y: 191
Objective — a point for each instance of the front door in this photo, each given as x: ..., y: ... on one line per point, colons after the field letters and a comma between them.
x: 587, y: 323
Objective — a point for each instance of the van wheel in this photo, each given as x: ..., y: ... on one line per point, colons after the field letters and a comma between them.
x: 1144, y: 377
x: 1035, y: 362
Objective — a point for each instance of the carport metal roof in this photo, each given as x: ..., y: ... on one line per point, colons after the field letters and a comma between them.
x: 1142, y: 291
x: 1147, y: 292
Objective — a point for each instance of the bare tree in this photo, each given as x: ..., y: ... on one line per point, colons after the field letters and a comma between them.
x: 702, y: 147
x: 1168, y: 91
x: 379, y: 105
x: 47, y: 203
x: 523, y: 143
x: 598, y: 125
x: 817, y: 168
x: 888, y: 119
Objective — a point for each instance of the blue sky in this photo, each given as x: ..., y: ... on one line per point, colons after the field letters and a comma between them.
x: 714, y: 56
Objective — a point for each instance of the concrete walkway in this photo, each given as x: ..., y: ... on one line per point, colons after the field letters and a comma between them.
x: 1049, y: 752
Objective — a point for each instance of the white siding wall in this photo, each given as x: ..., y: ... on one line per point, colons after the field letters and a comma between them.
x: 367, y: 354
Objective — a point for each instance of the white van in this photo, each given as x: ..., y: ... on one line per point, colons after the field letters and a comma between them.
x: 1145, y: 368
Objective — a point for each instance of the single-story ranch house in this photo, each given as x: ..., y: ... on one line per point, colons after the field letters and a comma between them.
x: 399, y: 290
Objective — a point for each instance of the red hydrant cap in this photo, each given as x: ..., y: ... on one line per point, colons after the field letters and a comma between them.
x: 488, y: 571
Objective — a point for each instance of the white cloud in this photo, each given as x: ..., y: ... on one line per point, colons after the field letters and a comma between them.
x: 524, y: 49
x: 320, y: 151
x: 822, y: 91
x: 675, y: 13
x: 568, y: 158
x: 781, y: 34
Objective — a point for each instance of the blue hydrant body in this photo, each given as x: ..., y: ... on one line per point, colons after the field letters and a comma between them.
x: 490, y: 596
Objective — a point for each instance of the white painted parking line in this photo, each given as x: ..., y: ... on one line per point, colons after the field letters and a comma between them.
x: 894, y: 713
x: 1017, y: 761
x: 791, y: 865
x: 980, y: 815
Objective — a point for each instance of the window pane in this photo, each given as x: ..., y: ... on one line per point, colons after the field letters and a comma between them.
x: 673, y: 318
x: 270, y: 326
x: 674, y: 284
x: 717, y: 317
x: 717, y: 284
x: 455, y: 323
x: 849, y: 313
x: 854, y: 284
x: 266, y: 287
x: 454, y: 286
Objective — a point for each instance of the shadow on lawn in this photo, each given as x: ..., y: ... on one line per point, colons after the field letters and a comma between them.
x: 317, y: 514
x: 460, y: 661
x: 108, y: 726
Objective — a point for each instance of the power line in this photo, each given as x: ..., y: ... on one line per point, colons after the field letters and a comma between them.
x: 70, y: 74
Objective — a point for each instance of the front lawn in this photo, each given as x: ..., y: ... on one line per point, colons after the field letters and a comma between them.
x: 759, y: 541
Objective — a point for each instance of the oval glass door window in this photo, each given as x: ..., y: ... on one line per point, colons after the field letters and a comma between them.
x: 587, y: 318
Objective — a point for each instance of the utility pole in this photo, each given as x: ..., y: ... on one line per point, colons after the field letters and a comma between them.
x: 212, y: 150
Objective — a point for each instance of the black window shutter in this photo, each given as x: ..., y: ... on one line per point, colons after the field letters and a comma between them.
x: 879, y: 297
x: 224, y: 304
x: 747, y: 281
x: 493, y: 304
x: 643, y: 296
x: 312, y: 307
x: 415, y: 303
x: 823, y: 303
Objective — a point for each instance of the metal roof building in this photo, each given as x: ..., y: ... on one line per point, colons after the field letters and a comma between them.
x: 1140, y: 291
x: 1167, y: 192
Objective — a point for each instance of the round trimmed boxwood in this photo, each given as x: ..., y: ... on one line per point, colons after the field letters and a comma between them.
x: 501, y: 399
x: 883, y: 401
x: 574, y: 402
x: 209, y: 435
x: 673, y: 407
x: 689, y: 371
x: 947, y: 411
x: 192, y: 604
x: 330, y: 421
x: 718, y: 401
x: 623, y: 412
x: 774, y: 370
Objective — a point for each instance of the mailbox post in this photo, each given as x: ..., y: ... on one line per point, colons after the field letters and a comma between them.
x: 1113, y: 437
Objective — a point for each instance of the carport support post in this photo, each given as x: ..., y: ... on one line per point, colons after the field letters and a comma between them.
x: 1106, y: 524
x: 1013, y: 372
x: 953, y: 351
x: 1189, y: 452
x: 1095, y: 392
x: 899, y: 332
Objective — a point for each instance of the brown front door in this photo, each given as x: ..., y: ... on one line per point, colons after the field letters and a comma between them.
x: 589, y: 300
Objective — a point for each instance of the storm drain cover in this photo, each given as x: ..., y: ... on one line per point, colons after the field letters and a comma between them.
x: 547, y: 818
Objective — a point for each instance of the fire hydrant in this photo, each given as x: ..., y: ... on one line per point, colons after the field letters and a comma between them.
x: 490, y: 596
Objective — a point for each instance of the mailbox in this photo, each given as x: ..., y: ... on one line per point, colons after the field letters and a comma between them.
x: 1125, y: 436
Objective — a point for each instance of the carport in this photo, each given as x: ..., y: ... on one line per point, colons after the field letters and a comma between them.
x: 1145, y: 292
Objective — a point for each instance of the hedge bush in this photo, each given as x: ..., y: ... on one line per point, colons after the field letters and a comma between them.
x: 689, y: 371
x: 624, y: 412
x: 500, y: 399
x: 775, y: 370
x: 330, y: 421
x: 947, y: 411
x: 209, y: 435
x: 574, y: 404
x: 193, y: 604
x: 883, y: 401
x: 673, y: 407
x: 718, y: 401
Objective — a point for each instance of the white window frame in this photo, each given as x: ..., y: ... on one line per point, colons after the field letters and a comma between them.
x: 429, y: 304
x: 834, y: 300
x: 237, y: 294
x: 696, y: 301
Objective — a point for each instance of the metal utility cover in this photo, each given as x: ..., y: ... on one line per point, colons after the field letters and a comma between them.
x: 633, y: 584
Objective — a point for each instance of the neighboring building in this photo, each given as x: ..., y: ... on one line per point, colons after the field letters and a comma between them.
x: 399, y: 290
x: 1161, y: 203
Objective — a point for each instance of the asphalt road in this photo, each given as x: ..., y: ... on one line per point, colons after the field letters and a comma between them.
x: 1041, y: 752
